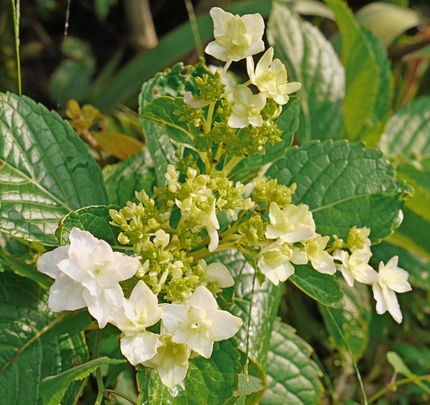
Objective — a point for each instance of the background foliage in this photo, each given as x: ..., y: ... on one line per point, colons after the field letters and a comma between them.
x: 366, y: 80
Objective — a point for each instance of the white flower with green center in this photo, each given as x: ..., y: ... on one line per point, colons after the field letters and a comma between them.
x: 236, y: 37
x: 275, y: 261
x: 87, y: 274
x: 391, y: 279
x: 355, y: 267
x: 291, y: 225
x: 139, y: 312
x: 199, y: 323
x: 246, y: 108
x: 271, y: 77
x: 217, y: 274
x: 171, y: 361
x: 320, y: 259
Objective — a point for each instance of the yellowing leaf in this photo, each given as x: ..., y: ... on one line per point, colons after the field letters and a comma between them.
x: 120, y: 145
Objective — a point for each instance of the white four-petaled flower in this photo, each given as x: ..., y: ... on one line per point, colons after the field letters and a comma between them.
x: 247, y: 108
x: 271, y: 77
x: 199, y: 323
x: 87, y: 274
x: 235, y: 37
x: 391, y: 279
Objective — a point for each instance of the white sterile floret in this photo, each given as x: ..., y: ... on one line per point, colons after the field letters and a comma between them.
x: 235, y: 37
x: 320, y: 259
x: 292, y: 224
x: 274, y: 261
x: 391, y: 279
x: 87, y: 273
x: 140, y: 311
x: 171, y: 361
x: 271, y: 77
x: 355, y: 267
x: 246, y: 108
x: 217, y: 273
x: 199, y: 323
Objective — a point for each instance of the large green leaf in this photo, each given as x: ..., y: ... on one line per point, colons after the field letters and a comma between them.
x: 293, y: 378
x: 209, y: 381
x: 353, y: 320
x: 53, y: 388
x: 94, y: 219
x: 367, y: 74
x: 323, y: 288
x: 413, y: 234
x: 45, y: 170
x: 162, y: 112
x: 407, y: 131
x: 28, y: 352
x: 345, y: 185
x: 133, y: 174
x: 311, y: 60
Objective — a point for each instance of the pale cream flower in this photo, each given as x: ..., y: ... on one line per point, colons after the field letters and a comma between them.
x: 355, y: 267
x: 139, y: 312
x: 271, y: 77
x: 217, y: 273
x: 87, y: 273
x: 246, y: 108
x: 235, y: 37
x: 291, y: 225
x: 171, y: 361
x: 320, y: 259
x: 199, y: 323
x: 391, y: 279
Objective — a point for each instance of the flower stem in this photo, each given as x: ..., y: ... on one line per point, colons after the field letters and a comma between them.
x: 393, y: 386
x: 100, y: 386
x: 121, y: 395
x: 16, y: 15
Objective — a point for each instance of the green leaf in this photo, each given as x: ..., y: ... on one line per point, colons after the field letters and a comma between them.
x: 406, y: 133
x: 94, y: 219
x: 416, y: 265
x: 345, y: 185
x: 133, y: 174
x: 209, y: 381
x: 172, y: 82
x: 21, y: 268
x: 102, y: 8
x: 53, y: 388
x: 353, y: 319
x: 45, y: 170
x: 368, y: 81
x: 28, y: 352
x: 162, y: 112
x: 288, y: 123
x: 413, y: 234
x: 293, y: 378
x: 310, y: 60
x: 323, y: 288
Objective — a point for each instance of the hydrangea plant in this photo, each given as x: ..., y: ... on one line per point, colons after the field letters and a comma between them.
x: 186, y: 277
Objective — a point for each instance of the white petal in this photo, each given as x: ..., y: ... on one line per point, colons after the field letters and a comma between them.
x: 392, y: 304
x: 66, y: 294
x: 225, y: 325
x: 102, y: 306
x: 381, y: 307
x: 173, y: 375
x: 139, y: 347
x: 203, y: 298
x: 82, y: 241
x: 48, y: 262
